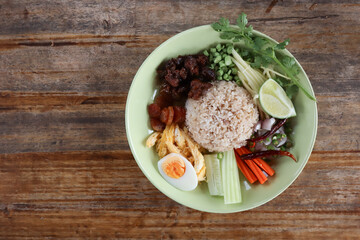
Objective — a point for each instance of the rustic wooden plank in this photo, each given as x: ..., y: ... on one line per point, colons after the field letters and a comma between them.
x: 101, y: 17
x: 114, y: 17
x: 185, y: 14
x: 81, y: 68
x: 71, y: 68
x: 82, y: 127
x: 106, y: 194
x: 33, y: 122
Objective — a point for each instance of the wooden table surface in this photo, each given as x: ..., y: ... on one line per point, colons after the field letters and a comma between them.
x: 65, y: 166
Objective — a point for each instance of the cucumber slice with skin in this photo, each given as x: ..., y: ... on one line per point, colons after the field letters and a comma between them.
x: 213, y: 175
x: 230, y: 177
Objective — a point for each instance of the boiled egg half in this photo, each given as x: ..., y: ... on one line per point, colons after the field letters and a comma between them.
x: 178, y: 171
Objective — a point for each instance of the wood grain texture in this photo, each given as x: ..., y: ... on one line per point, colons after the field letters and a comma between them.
x: 104, y: 194
x: 65, y: 167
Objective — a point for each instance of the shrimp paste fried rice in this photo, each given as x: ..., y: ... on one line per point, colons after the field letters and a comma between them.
x: 223, y: 118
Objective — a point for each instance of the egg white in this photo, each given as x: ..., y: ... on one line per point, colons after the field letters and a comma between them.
x: 188, y: 181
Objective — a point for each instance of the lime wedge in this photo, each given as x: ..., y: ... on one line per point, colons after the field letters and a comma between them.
x: 274, y: 100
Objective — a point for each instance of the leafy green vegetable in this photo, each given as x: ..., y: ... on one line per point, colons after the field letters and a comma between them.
x: 290, y: 88
x: 283, y: 44
x: 265, y: 52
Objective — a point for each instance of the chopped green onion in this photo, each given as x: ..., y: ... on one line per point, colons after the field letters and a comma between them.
x: 229, y: 49
x: 217, y: 59
x: 220, y: 155
x: 270, y: 147
x: 228, y: 60
x: 218, y: 47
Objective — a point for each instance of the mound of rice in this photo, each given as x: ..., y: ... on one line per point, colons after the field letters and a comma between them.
x: 223, y: 118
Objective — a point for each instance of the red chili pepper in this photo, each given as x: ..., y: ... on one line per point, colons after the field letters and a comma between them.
x: 272, y: 131
x: 266, y: 154
x: 251, y: 144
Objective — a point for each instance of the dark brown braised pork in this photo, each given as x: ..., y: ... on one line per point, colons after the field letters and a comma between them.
x: 180, y: 78
x: 177, y: 74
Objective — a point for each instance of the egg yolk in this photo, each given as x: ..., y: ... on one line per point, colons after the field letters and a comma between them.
x: 174, y: 167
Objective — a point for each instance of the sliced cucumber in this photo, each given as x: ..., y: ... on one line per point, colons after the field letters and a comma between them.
x: 230, y: 178
x: 213, y: 175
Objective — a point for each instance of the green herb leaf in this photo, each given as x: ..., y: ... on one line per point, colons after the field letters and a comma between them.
x: 259, y: 43
x: 291, y: 90
x: 227, y: 35
x: 261, y: 61
x: 290, y: 63
x: 283, y: 44
x: 242, y: 21
x: 224, y: 22
x: 216, y: 26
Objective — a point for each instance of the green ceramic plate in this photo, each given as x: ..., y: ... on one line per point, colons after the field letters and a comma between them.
x: 138, y: 129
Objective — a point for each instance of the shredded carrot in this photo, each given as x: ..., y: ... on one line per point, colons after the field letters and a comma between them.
x: 241, y: 150
x: 264, y: 166
x: 257, y: 171
x: 261, y: 163
x: 245, y: 170
x: 254, y: 165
